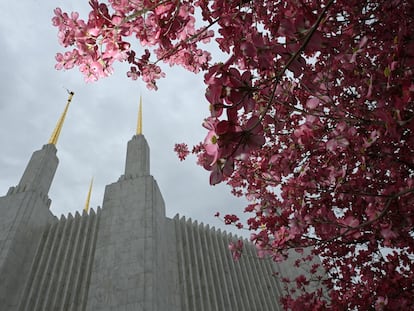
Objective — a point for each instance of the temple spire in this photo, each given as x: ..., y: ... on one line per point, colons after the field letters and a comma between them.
x: 55, y: 135
x: 137, y: 160
x: 139, y: 122
x: 88, y: 198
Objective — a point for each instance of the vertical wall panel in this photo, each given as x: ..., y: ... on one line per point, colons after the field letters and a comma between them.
x: 229, y: 273
x: 182, y: 275
x: 189, y: 260
x: 61, y: 268
x: 209, y: 278
x: 76, y: 262
x: 87, y: 251
x: 39, y: 263
x: 207, y: 289
x: 46, y: 274
x: 59, y: 282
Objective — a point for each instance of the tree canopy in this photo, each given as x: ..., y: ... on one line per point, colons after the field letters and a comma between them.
x: 311, y: 118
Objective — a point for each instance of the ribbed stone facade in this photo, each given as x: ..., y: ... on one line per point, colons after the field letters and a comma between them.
x: 127, y: 256
x: 61, y: 268
x: 211, y: 280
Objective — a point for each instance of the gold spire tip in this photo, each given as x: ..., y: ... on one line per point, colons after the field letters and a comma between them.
x: 88, y: 198
x: 139, y: 123
x: 56, y: 132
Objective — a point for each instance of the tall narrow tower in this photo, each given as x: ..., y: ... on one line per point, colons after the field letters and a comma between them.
x: 132, y: 253
x: 24, y: 213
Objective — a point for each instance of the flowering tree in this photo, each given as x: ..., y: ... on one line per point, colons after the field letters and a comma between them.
x: 312, y: 119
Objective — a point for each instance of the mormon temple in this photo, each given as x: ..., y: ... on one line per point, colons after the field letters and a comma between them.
x: 125, y: 256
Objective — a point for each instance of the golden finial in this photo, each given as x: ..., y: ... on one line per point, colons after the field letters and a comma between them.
x: 88, y: 198
x: 139, y: 123
x: 55, y: 135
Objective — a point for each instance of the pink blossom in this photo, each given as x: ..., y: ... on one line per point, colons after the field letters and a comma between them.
x: 182, y: 151
x: 336, y: 144
x: 312, y: 102
x: 211, y: 146
x: 133, y: 73
x: 381, y: 303
x: 282, y: 236
x: 236, y: 249
x: 303, y: 133
x: 211, y: 141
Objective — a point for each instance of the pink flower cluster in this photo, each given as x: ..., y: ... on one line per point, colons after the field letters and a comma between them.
x: 182, y: 151
x: 101, y: 41
x: 236, y: 248
x: 94, y: 51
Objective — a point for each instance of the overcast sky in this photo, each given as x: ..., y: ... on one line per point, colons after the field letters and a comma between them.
x: 100, y: 121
